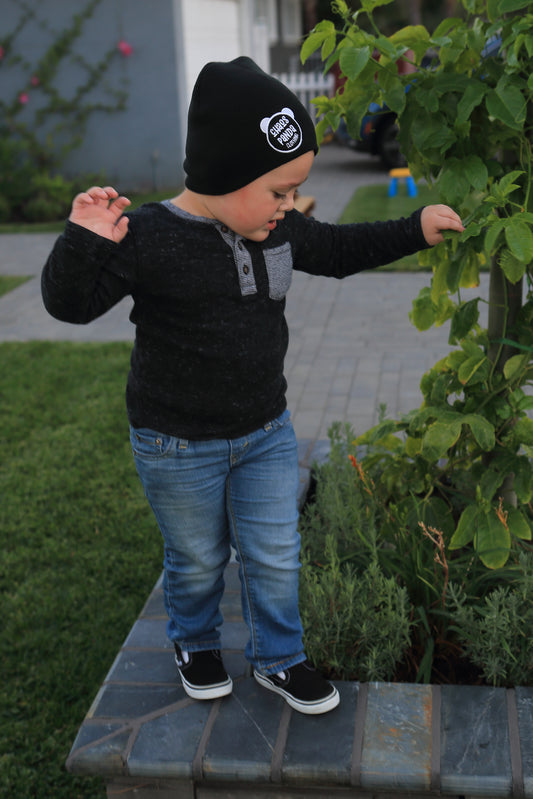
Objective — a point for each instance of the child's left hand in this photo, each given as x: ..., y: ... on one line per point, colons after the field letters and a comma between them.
x: 436, y: 218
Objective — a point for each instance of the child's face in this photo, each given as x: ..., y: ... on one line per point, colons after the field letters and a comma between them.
x: 254, y: 210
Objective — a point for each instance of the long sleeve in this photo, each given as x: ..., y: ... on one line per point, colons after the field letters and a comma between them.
x: 342, y: 250
x: 85, y: 275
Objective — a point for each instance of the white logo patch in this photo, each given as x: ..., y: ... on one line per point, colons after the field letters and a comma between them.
x: 283, y: 132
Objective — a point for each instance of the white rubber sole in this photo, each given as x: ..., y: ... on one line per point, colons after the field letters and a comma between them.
x: 313, y: 708
x: 214, y: 691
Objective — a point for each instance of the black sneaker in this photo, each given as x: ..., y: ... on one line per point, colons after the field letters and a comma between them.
x: 203, y: 674
x: 302, y: 687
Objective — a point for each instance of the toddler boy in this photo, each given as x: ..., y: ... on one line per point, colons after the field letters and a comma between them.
x: 210, y: 431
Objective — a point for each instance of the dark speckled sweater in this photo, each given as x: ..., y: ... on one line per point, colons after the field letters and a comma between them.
x: 211, y: 335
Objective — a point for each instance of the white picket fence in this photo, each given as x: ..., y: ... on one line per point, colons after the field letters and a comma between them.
x: 307, y: 85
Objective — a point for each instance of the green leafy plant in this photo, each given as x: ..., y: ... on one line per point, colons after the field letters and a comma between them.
x: 39, y: 123
x: 465, y: 123
x: 496, y: 634
x: 355, y: 622
x: 382, y: 597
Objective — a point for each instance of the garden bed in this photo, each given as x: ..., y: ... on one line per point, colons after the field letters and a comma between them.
x: 146, y: 738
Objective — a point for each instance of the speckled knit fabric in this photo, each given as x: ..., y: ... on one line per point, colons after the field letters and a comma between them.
x: 211, y: 334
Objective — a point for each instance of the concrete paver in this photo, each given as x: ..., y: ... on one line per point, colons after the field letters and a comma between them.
x: 352, y: 346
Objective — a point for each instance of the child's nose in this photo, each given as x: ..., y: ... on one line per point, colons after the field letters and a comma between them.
x: 288, y: 202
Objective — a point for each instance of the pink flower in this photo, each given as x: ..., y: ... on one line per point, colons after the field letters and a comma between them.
x: 35, y: 81
x: 23, y: 98
x: 125, y: 48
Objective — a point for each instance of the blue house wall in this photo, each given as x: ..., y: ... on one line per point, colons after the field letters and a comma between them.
x: 139, y: 147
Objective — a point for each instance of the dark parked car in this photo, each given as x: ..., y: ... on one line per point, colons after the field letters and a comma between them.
x: 379, y: 136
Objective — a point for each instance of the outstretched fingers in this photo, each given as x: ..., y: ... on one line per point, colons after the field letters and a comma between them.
x: 104, y: 196
x: 100, y: 209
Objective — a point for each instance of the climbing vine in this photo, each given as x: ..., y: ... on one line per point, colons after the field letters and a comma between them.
x: 40, y: 122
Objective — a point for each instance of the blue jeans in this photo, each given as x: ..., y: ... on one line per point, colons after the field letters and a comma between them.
x: 207, y: 495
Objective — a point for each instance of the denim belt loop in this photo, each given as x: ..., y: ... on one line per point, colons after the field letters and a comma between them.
x: 183, y: 443
x: 267, y: 427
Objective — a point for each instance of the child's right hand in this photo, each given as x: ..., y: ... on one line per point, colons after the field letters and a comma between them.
x: 100, y: 211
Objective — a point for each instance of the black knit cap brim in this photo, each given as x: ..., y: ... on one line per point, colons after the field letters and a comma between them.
x: 242, y: 124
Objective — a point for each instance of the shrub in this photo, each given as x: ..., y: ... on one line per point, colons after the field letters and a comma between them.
x: 5, y: 209
x: 497, y: 634
x: 465, y: 124
x: 383, y: 594
x: 357, y: 624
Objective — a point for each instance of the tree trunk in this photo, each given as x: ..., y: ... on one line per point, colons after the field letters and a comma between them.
x: 450, y: 8
x: 505, y: 301
x: 414, y: 10
x: 310, y: 14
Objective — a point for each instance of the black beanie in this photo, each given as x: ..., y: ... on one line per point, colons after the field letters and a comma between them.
x: 242, y: 124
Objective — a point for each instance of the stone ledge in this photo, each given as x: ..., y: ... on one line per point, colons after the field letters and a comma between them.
x: 147, y: 738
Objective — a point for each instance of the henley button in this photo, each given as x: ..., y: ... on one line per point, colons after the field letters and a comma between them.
x: 224, y: 229
x: 246, y: 269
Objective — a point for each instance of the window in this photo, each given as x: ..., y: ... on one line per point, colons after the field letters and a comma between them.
x: 265, y: 11
x: 291, y: 21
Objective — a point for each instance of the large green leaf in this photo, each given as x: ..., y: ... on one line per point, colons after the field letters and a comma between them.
x: 324, y: 30
x: 507, y: 6
x: 482, y: 430
x: 445, y: 82
x: 492, y: 9
x: 393, y: 90
x: 518, y: 525
x: 490, y: 481
x: 454, y: 183
x: 414, y: 37
x: 423, y: 314
x: 470, y: 272
x: 466, y: 528
x: 492, y: 540
x: 507, y: 104
x: 519, y: 239
x: 512, y: 267
x: 463, y: 320
x: 370, y: 5
x: 474, y: 370
x: 523, y: 478
x: 355, y: 101
x: 493, y: 233
x: 353, y: 60
x: 472, y: 97
x: 476, y: 171
x: 432, y: 132
x: 386, y: 48
x: 523, y: 431
x: 440, y: 437
x: 515, y: 366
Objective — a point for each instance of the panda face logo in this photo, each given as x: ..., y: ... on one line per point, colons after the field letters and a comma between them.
x: 282, y: 131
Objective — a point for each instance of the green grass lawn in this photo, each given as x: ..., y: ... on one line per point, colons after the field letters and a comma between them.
x: 8, y: 283
x: 80, y: 552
